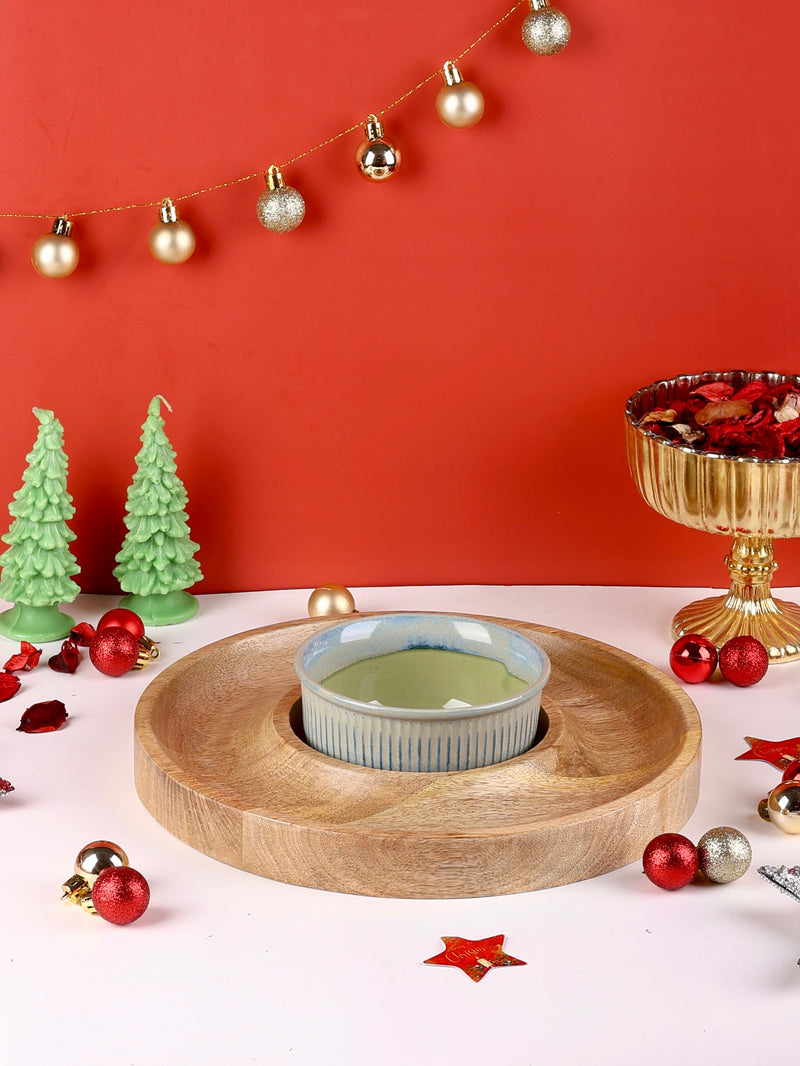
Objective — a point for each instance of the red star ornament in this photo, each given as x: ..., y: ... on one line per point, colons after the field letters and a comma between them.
x: 474, y: 957
x: 777, y: 752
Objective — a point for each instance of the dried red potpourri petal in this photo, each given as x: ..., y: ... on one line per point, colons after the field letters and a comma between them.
x: 43, y: 717
x: 9, y: 686
x: 25, y: 659
x: 714, y: 391
x: 82, y: 634
x: 66, y: 661
x: 5, y: 787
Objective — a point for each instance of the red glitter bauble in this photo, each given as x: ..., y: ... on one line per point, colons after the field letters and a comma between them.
x: 120, y: 894
x: 693, y: 658
x: 114, y: 651
x: 743, y: 661
x: 792, y: 772
x: 122, y: 618
x: 670, y: 860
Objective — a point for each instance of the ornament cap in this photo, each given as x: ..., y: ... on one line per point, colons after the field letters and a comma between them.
x: 373, y: 128
x: 62, y: 226
x: 274, y: 178
x: 539, y: 5
x: 148, y: 650
x: 451, y: 74
x: 167, y: 212
x: 77, y: 891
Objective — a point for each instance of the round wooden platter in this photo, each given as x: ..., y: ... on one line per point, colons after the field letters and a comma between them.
x: 222, y: 764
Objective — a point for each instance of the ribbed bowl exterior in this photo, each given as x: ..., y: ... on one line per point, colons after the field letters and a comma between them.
x: 394, y: 738
x: 397, y: 744
x: 713, y: 493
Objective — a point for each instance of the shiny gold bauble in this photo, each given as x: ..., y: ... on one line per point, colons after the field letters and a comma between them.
x: 56, y: 254
x: 545, y: 30
x: 783, y: 807
x: 724, y: 854
x: 377, y: 159
x: 98, y: 856
x: 330, y: 599
x: 459, y: 103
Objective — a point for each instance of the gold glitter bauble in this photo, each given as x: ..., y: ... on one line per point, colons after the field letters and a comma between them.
x: 545, y: 30
x: 724, y: 854
x: 280, y: 208
x: 330, y: 599
x: 281, y: 211
x: 783, y: 806
x: 56, y: 254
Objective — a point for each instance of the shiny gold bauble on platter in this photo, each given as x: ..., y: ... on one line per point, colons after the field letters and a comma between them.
x: 459, y: 103
x: 328, y: 600
x: 377, y: 159
x: 56, y: 254
x: 171, y: 240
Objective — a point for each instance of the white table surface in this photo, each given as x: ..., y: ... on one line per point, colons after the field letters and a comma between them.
x: 227, y: 968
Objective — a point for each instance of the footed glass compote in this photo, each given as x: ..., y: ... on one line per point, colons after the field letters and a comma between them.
x: 753, y: 500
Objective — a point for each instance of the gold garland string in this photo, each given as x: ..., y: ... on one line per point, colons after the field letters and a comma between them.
x: 536, y: 5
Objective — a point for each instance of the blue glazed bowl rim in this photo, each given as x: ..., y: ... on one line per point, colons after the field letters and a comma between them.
x: 428, y: 714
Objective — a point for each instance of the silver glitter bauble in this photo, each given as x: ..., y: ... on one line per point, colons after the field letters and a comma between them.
x: 724, y: 854
x: 545, y: 30
x: 281, y: 210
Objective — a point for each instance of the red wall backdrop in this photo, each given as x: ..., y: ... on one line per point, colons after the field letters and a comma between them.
x: 425, y: 381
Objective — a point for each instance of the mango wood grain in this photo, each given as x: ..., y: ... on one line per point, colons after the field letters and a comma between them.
x: 221, y: 763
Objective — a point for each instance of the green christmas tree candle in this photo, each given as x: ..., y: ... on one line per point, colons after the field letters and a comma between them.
x: 156, y: 563
x: 38, y: 566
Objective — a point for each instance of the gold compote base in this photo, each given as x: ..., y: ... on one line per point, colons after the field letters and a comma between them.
x: 752, y: 500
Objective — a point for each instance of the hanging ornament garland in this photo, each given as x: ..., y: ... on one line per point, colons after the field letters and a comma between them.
x: 281, y: 209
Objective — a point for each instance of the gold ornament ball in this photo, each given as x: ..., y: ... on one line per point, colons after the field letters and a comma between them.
x: 328, y: 600
x: 98, y: 856
x: 171, y: 242
x: 724, y: 854
x: 55, y: 255
x: 783, y: 807
x: 546, y: 31
x: 281, y: 210
x: 461, y: 105
x: 377, y: 160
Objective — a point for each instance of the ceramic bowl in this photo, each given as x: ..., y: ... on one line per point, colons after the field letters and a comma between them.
x: 421, y: 692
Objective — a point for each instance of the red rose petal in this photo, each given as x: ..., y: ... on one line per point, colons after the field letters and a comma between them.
x: 43, y: 717
x: 714, y: 391
x: 753, y: 390
x: 9, y: 686
x: 25, y: 659
x: 82, y: 634
x: 66, y: 661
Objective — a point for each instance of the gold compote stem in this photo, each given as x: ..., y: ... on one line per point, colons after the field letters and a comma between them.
x: 752, y: 500
x: 749, y: 608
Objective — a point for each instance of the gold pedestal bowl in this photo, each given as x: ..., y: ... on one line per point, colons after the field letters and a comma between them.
x: 752, y: 500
